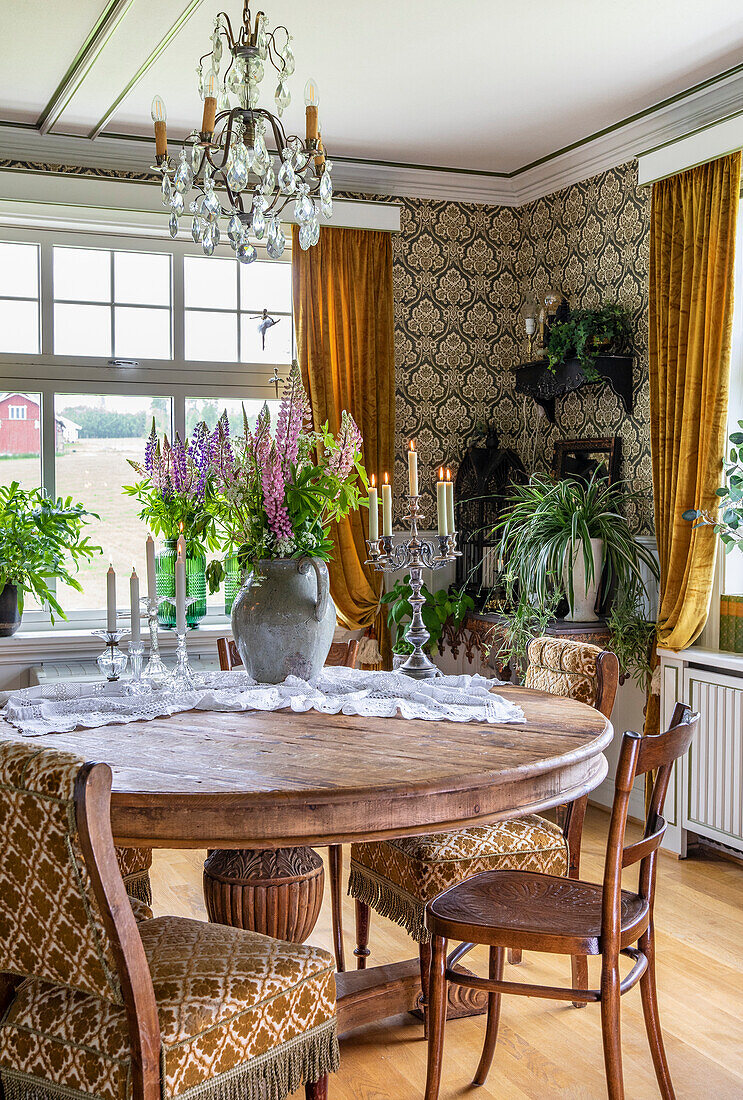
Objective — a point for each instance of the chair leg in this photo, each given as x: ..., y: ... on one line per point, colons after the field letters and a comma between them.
x: 497, y: 961
x: 361, y: 951
x: 335, y: 865
x: 580, y: 976
x: 317, y: 1090
x: 437, y: 1017
x: 652, y: 1020
x: 611, y: 1031
x: 514, y: 955
x: 424, y: 955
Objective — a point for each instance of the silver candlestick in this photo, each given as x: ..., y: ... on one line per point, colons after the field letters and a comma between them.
x: 416, y: 555
x: 155, y: 675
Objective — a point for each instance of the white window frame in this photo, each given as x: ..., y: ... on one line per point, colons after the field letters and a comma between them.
x: 177, y: 378
x: 20, y: 410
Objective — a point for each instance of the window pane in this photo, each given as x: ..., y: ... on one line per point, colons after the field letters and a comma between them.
x: 142, y: 278
x: 266, y: 285
x: 20, y: 439
x: 82, y: 330
x: 211, y: 336
x: 92, y: 467
x: 83, y: 274
x: 19, y: 326
x: 19, y: 270
x: 278, y: 347
x: 142, y: 333
x: 210, y: 283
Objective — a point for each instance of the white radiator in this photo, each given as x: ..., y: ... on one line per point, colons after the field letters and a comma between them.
x: 712, y: 777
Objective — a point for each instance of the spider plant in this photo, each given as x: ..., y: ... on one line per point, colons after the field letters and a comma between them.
x: 548, y: 523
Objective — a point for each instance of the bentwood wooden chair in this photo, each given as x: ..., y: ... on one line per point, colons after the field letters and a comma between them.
x: 523, y: 909
x: 341, y: 653
x: 397, y: 878
x: 97, y: 1005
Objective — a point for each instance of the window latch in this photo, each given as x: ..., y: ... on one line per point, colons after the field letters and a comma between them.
x: 123, y: 363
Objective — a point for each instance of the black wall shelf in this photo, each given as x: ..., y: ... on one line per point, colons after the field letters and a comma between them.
x: 545, y: 385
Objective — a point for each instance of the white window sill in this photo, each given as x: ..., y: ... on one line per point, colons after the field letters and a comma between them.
x: 708, y: 658
x: 33, y: 646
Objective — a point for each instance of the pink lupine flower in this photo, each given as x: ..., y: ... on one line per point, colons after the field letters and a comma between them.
x: 293, y: 411
x: 348, y: 442
x: 273, y: 484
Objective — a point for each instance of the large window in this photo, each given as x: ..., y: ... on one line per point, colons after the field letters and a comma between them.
x: 100, y: 335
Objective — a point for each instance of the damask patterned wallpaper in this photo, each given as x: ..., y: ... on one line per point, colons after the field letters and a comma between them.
x: 460, y: 275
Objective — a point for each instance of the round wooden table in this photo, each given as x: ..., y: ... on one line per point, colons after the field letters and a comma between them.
x: 270, y: 780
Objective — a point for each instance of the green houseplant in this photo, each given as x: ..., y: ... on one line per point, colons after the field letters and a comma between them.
x: 550, y: 531
x: 40, y: 540
x: 446, y: 605
x: 728, y: 523
x: 587, y: 333
x: 521, y: 621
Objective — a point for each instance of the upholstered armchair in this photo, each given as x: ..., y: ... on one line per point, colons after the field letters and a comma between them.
x: 397, y: 878
x: 98, y: 1005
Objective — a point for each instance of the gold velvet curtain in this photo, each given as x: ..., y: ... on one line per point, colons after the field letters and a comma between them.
x: 692, y: 253
x: 343, y: 313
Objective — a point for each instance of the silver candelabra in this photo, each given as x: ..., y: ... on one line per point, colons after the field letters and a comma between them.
x: 416, y: 555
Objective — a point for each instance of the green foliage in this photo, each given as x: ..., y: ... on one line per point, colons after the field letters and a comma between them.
x: 632, y: 636
x: 548, y: 522
x: 588, y: 333
x: 521, y: 621
x: 446, y: 605
x: 41, y: 540
x: 168, y: 516
x: 107, y: 424
x: 728, y: 523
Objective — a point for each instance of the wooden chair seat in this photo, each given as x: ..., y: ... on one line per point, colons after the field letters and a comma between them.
x: 533, y: 912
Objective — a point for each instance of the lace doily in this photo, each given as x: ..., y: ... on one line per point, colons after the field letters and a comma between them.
x: 64, y: 706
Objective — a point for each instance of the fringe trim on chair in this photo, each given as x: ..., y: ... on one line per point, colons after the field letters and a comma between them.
x: 139, y: 886
x: 389, y: 901
x: 271, y: 1076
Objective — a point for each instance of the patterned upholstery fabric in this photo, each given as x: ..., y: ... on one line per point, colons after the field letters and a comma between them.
x: 225, y: 998
x: 397, y: 877
x: 42, y: 871
x: 134, y: 864
x: 140, y: 910
x: 563, y: 667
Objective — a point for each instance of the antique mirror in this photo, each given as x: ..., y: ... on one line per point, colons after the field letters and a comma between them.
x: 580, y: 458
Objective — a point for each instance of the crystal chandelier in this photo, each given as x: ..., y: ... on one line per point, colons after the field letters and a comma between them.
x: 225, y: 170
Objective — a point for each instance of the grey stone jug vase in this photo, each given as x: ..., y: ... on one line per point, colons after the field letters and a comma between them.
x: 283, y: 619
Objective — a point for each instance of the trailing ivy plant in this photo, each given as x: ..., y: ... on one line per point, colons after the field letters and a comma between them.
x: 728, y: 523
x: 41, y: 540
x: 588, y: 333
x: 632, y: 635
x: 521, y: 621
x: 443, y: 606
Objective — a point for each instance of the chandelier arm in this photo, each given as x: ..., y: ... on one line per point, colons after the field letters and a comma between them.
x: 225, y: 16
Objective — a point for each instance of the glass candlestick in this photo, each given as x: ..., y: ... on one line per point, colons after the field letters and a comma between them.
x: 136, y: 685
x: 183, y: 677
x: 155, y: 674
x: 112, y: 661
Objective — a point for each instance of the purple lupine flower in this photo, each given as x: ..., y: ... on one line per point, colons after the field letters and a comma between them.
x: 263, y: 436
x: 151, y: 449
x: 199, y: 456
x: 222, y: 459
x: 293, y: 411
x: 179, y: 466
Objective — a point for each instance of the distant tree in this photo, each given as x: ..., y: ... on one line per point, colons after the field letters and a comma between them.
x: 202, y: 410
x: 161, y: 413
x: 106, y: 424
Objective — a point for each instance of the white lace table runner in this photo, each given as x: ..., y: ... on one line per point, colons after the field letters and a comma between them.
x: 65, y: 706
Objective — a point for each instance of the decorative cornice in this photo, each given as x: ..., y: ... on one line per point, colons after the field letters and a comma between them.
x: 128, y: 156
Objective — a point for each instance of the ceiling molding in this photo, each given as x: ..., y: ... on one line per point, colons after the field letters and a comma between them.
x: 707, y: 103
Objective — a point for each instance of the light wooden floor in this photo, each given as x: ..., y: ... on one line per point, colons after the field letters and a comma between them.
x: 546, y: 1050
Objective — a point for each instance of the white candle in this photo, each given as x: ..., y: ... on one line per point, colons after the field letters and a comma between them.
x: 181, y: 544
x: 135, y: 636
x: 111, y: 599
x: 386, y: 507
x: 151, y: 575
x: 180, y: 593
x: 449, y: 504
x: 412, y: 469
x: 441, y: 503
x: 373, y: 512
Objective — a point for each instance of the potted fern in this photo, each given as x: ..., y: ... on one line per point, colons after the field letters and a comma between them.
x: 571, y: 533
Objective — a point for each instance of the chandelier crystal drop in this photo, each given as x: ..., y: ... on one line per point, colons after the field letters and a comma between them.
x: 241, y: 167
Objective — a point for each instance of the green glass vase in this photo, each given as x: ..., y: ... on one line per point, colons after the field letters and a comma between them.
x: 195, y: 585
x: 233, y: 580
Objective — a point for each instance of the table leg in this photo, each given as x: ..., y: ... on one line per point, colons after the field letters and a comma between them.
x: 276, y: 892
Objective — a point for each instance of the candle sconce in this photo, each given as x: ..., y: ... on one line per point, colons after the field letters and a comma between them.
x: 415, y: 554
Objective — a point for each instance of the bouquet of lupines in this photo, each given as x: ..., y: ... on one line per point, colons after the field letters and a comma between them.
x: 175, y: 489
x: 278, y: 490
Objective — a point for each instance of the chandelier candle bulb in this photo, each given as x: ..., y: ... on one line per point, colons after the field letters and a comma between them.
x: 451, y: 527
x: 386, y: 506
x: 151, y: 574
x: 159, y: 117
x: 412, y: 469
x: 111, y: 600
x: 210, y: 106
x: 373, y: 512
x: 441, y: 504
x: 135, y: 634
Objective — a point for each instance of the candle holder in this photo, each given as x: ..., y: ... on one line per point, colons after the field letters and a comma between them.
x: 155, y: 674
x: 416, y: 555
x: 183, y: 677
x: 136, y: 685
x: 112, y: 661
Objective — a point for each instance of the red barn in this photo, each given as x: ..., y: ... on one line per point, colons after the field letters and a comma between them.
x: 20, y: 426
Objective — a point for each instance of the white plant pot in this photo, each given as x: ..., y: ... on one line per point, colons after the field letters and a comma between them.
x: 584, y: 595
